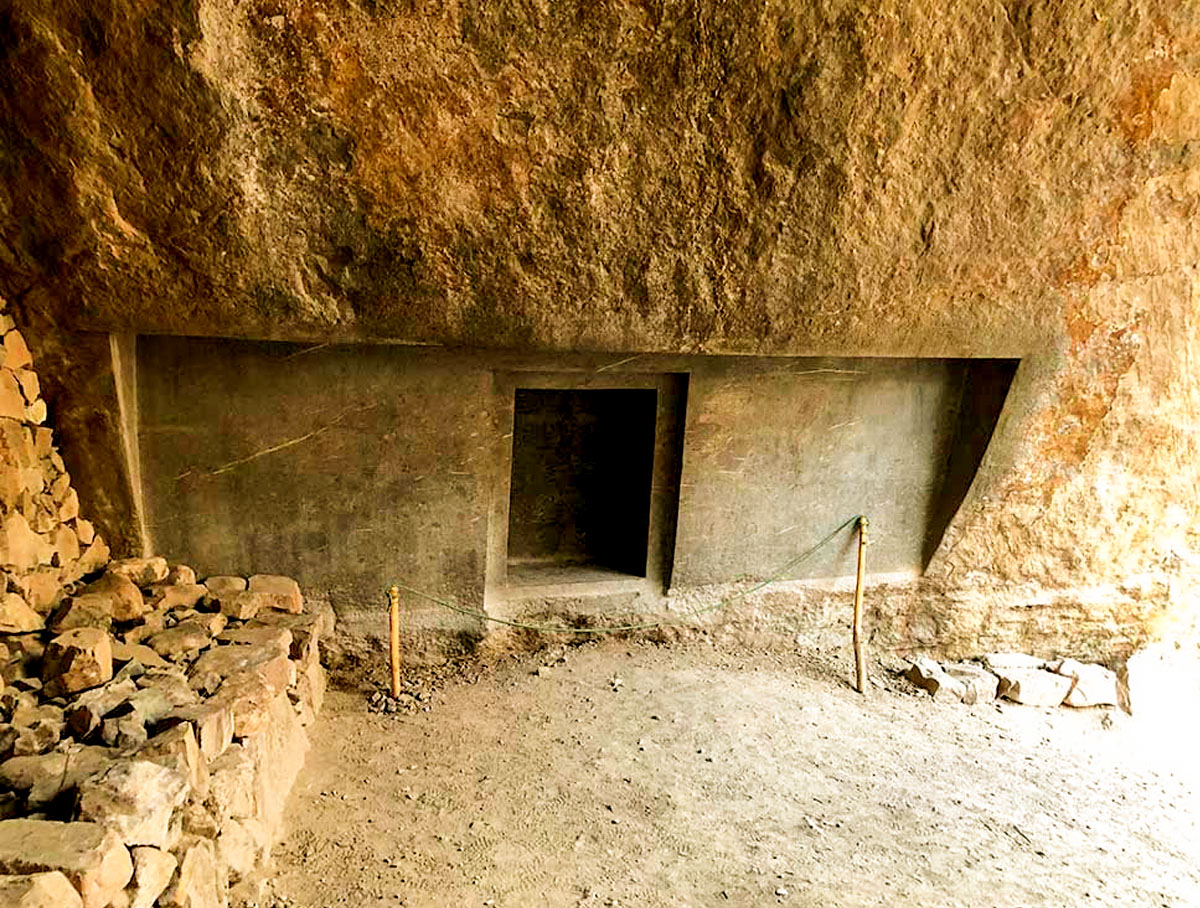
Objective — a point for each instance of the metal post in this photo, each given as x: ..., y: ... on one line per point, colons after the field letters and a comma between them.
x: 860, y: 665
x: 394, y: 632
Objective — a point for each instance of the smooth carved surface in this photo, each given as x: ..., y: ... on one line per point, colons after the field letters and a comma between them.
x: 904, y: 178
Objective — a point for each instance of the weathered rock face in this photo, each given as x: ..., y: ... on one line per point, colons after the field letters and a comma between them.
x: 906, y: 178
x: 482, y: 173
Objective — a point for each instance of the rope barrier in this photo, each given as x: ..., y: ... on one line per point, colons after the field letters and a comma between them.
x: 649, y: 625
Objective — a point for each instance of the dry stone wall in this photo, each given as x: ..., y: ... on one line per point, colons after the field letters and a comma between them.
x: 148, y: 746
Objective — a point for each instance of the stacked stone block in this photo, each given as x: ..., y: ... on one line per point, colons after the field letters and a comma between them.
x: 147, y: 746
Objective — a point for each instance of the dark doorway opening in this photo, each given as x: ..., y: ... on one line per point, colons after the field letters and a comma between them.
x: 579, y: 501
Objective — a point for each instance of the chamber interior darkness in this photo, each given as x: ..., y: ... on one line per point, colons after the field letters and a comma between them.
x: 581, y: 476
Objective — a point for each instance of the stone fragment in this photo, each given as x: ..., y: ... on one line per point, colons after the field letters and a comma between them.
x: 36, y: 412
x: 44, y: 777
x: 42, y: 590
x: 142, y: 571
x: 278, y: 754
x: 307, y: 630
x: 135, y: 798
x: 38, y: 890
x: 212, y: 724
x: 176, y: 595
x: 979, y: 685
x: 151, y: 705
x: 199, y: 883
x: 1094, y: 685
x: 233, y: 786
x: 198, y: 820
x: 88, y: 710
x: 83, y: 528
x: 84, y: 610
x: 152, y: 623
x: 249, y: 700
x: 94, y: 557
x: 926, y: 674
x: 125, y: 732
x: 284, y: 592
x: 268, y: 662
x: 310, y: 687
x: 16, y: 616
x: 1033, y: 687
x: 242, y: 605
x: 14, y: 698
x: 21, y: 548
x: 16, y: 352
x: 18, y: 446
x: 279, y: 638
x: 28, y: 716
x: 43, y: 520
x: 238, y: 849
x: 128, y: 604
x: 35, y: 740
x: 58, y: 488
x: 77, y: 660
x: 177, y: 748
x: 30, y: 386
x: 152, y: 872
x: 38, y: 729
x: 12, y: 401
x: 212, y: 622
x: 69, y: 510
x: 66, y: 545
x: 8, y: 739
x: 171, y: 683
x: 131, y: 652
x: 43, y: 442
x: 224, y: 585
x: 91, y: 857
x: 181, y: 574
x: 180, y: 640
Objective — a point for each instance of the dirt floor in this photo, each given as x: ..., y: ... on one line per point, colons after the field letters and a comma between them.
x: 635, y: 775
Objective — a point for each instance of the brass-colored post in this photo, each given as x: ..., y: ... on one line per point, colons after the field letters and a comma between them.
x: 860, y: 665
x: 394, y: 633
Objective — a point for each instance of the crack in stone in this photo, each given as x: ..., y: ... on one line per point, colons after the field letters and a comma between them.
x: 283, y: 445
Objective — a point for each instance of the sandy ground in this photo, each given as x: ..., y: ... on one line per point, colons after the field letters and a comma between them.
x: 634, y: 775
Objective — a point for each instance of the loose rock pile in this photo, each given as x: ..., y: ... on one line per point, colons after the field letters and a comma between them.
x: 1020, y: 678
x: 151, y: 727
